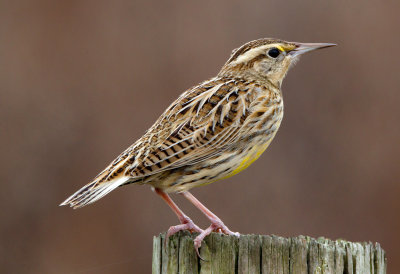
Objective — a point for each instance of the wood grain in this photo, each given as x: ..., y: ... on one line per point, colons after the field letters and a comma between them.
x: 265, y: 254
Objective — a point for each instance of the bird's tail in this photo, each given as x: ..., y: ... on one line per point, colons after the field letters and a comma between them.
x: 93, y: 192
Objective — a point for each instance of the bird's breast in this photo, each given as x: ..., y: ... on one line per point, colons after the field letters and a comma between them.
x: 259, y: 138
x: 248, y: 158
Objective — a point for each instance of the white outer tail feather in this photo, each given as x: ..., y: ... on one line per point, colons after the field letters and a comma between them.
x: 92, y: 192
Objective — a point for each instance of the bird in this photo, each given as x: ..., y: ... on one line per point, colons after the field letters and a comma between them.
x: 213, y: 131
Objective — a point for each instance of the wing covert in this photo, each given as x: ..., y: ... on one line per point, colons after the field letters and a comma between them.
x: 202, y: 123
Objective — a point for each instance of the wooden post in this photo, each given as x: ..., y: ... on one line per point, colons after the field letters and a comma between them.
x: 265, y: 254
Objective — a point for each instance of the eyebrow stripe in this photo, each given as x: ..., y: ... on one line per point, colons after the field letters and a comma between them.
x: 280, y: 48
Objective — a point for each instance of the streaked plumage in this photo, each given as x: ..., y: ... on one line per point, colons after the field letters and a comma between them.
x: 212, y: 131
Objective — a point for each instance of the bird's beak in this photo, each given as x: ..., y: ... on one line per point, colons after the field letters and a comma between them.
x: 306, y: 47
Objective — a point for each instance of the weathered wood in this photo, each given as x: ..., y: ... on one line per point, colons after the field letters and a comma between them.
x: 265, y: 254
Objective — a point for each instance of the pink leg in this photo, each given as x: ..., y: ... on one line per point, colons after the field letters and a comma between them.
x: 216, y: 224
x: 186, y: 222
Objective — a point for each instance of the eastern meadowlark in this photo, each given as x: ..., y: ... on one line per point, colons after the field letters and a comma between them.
x: 211, y: 132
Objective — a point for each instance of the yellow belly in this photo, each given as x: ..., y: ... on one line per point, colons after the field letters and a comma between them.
x: 250, y: 157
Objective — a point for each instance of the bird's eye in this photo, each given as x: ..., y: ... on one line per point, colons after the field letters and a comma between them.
x: 274, y: 52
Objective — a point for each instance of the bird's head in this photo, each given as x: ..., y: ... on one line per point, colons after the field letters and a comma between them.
x: 266, y: 59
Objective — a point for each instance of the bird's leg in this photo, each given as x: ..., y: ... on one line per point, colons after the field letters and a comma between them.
x: 216, y: 224
x: 186, y: 222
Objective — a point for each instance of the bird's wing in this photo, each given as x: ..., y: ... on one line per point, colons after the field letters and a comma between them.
x: 202, y: 123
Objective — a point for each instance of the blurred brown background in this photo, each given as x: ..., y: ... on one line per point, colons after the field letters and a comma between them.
x: 82, y: 80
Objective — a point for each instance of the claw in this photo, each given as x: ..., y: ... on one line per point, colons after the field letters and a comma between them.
x: 219, y: 226
x: 216, y: 226
x: 187, y: 224
x: 199, y: 239
x: 191, y: 227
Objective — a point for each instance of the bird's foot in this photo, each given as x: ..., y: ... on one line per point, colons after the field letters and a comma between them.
x: 216, y: 226
x: 186, y: 224
x: 219, y: 226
